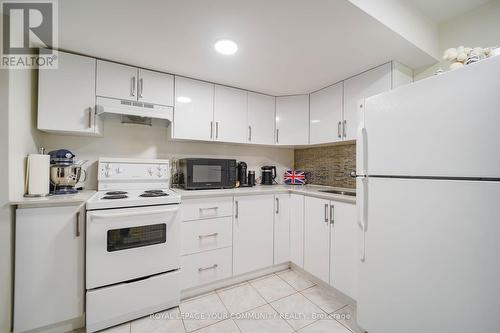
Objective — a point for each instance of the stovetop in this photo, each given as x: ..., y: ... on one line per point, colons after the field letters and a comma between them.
x: 132, y: 198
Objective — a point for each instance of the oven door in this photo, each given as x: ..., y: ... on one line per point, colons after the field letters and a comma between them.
x: 206, y: 174
x: 130, y: 243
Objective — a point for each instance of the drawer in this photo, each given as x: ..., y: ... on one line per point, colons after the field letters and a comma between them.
x: 195, y: 209
x: 205, y: 267
x: 109, y: 306
x: 209, y: 234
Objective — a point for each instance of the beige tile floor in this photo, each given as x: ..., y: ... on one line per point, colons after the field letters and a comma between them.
x: 277, y: 303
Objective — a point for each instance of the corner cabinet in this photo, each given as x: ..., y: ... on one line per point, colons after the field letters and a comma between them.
x: 261, y: 118
x: 66, y: 96
x: 49, y: 268
x: 252, y: 233
x: 194, y: 110
x: 292, y: 120
x: 326, y: 115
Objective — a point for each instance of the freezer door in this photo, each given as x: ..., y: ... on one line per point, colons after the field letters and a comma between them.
x: 431, y: 258
x: 443, y: 126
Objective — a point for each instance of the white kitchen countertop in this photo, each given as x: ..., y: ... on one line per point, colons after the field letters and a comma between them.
x: 53, y: 200
x: 309, y: 190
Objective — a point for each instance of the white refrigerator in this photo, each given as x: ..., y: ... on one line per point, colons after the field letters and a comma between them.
x: 428, y: 184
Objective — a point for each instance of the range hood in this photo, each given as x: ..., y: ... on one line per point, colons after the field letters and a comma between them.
x: 106, y: 105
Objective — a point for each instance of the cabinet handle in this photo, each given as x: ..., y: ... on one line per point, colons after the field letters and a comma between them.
x: 211, y: 130
x: 77, y: 233
x: 249, y: 133
x: 339, y: 134
x: 141, y: 87
x: 343, y: 128
x: 216, y: 130
x: 277, y: 135
x: 237, y: 209
x: 90, y: 117
x: 326, y: 213
x: 215, y: 234
x: 277, y: 205
x: 132, y: 86
x: 332, y: 210
x: 207, y: 268
x: 209, y: 208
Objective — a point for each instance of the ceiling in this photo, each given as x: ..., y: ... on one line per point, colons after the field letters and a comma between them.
x: 285, y: 46
x: 443, y: 10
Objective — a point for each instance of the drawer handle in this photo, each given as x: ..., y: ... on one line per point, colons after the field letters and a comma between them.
x: 209, y: 208
x: 214, y: 266
x: 209, y: 235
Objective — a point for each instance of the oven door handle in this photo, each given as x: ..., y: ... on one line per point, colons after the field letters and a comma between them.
x: 115, y: 215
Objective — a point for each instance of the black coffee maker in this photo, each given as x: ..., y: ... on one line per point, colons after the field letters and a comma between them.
x: 268, y: 175
x: 242, y: 174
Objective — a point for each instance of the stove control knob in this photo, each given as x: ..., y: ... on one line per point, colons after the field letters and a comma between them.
x: 159, y: 167
x: 119, y: 170
x: 108, y: 173
x: 150, y: 171
x: 160, y: 174
x: 108, y: 166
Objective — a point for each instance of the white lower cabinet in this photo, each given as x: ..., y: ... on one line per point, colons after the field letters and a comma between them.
x: 281, y: 228
x: 317, y: 237
x: 202, y: 268
x: 344, y: 247
x: 199, y: 236
x: 297, y: 229
x: 49, y: 268
x: 252, y: 233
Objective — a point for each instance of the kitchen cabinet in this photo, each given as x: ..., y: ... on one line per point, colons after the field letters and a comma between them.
x: 49, y: 268
x: 261, y: 118
x: 281, y: 228
x: 326, y: 114
x: 230, y: 114
x: 366, y: 84
x: 317, y: 237
x: 131, y: 83
x: 66, y: 97
x: 194, y: 110
x: 252, y: 233
x: 297, y: 229
x: 155, y: 87
x: 401, y: 75
x: 292, y: 120
x: 344, y: 247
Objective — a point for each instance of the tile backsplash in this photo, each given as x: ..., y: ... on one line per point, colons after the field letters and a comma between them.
x: 328, y: 165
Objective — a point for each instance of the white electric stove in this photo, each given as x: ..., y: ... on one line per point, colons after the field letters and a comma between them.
x: 132, y: 243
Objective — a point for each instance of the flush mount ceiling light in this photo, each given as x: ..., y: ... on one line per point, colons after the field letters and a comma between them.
x: 226, y: 46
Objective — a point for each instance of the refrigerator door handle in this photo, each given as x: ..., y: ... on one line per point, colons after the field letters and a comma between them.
x: 362, y: 204
x: 361, y: 145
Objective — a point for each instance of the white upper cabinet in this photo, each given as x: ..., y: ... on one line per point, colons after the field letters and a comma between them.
x: 344, y: 255
x: 155, y: 87
x: 116, y: 80
x: 194, y: 110
x: 261, y: 118
x: 326, y: 115
x: 66, y: 96
x: 369, y: 83
x: 292, y: 120
x: 230, y: 114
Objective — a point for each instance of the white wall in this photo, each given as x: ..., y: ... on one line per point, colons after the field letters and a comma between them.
x: 138, y: 141
x: 5, y: 211
x: 479, y: 27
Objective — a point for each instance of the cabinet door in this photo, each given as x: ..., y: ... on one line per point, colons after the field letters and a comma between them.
x: 326, y: 115
x: 297, y: 229
x: 116, y: 80
x: 49, y: 266
x: 230, y: 114
x: 369, y: 83
x: 261, y: 118
x: 344, y: 247
x: 194, y: 109
x: 155, y: 87
x: 292, y: 120
x: 66, y: 96
x: 252, y: 233
x: 281, y: 228
x: 317, y: 237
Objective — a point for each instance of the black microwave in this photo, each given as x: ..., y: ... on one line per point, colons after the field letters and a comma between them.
x: 207, y: 173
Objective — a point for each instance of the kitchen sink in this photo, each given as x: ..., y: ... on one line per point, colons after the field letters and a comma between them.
x: 352, y: 194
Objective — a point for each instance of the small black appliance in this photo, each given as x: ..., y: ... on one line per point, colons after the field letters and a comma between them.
x: 268, y: 175
x: 242, y: 174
